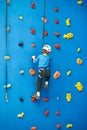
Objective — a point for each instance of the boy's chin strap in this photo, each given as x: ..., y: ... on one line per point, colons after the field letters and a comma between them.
x: 45, y: 54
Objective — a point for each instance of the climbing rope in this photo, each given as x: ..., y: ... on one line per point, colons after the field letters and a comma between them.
x: 6, y: 94
x: 44, y: 17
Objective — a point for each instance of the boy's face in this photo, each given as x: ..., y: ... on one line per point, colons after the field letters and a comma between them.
x: 45, y: 52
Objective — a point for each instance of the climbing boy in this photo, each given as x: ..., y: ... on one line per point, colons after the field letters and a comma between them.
x: 43, y: 69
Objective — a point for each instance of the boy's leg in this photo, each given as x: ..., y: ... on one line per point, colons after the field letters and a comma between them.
x: 39, y: 84
x: 47, y: 78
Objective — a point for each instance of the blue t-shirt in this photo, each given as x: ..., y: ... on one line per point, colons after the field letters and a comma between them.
x: 43, y: 61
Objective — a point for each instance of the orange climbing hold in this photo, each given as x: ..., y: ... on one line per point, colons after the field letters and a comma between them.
x: 57, y: 46
x: 33, y: 31
x: 34, y: 128
x: 33, y: 5
x: 33, y: 45
x: 45, y: 99
x: 32, y: 72
x: 56, y: 75
x: 46, y: 113
x: 58, y: 126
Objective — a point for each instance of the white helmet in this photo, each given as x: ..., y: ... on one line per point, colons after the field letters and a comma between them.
x: 47, y: 48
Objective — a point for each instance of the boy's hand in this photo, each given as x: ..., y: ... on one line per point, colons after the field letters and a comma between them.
x: 33, y: 58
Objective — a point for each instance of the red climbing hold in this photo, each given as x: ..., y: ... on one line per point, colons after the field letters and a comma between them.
x: 33, y: 99
x: 46, y: 113
x: 56, y: 21
x: 34, y: 128
x: 57, y: 34
x: 57, y: 46
x: 33, y: 31
x: 57, y: 113
x: 58, y: 126
x: 33, y: 5
x: 45, y: 99
x: 45, y: 33
x: 56, y: 9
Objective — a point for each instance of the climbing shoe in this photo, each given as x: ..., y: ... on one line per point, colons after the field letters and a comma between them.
x: 36, y: 96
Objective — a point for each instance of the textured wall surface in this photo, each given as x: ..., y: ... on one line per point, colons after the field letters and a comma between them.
x: 63, y: 59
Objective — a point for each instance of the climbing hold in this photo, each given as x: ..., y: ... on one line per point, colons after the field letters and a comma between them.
x: 21, y: 18
x: 68, y: 97
x: 56, y: 9
x: 57, y: 34
x: 34, y: 128
x: 68, y: 22
x: 79, y: 86
x: 46, y: 113
x: 44, y: 20
x: 68, y: 72
x: 56, y: 75
x: 7, y: 86
x: 33, y: 5
x: 21, y: 71
x: 79, y: 61
x: 8, y: 29
x: 7, y: 57
x: 33, y: 31
x: 33, y: 99
x: 56, y: 21
x: 68, y: 35
x: 32, y: 72
x: 45, y: 33
x: 78, y: 50
x: 21, y: 115
x: 69, y: 126
x: 8, y: 2
x: 33, y: 45
x: 57, y: 46
x: 20, y: 44
x: 45, y: 99
x: 58, y: 126
x: 57, y: 98
x: 57, y: 113
x: 80, y: 2
x: 21, y: 99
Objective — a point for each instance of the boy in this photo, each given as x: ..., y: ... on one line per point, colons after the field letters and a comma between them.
x: 43, y: 69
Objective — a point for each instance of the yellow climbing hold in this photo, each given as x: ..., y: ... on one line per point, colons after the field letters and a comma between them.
x: 21, y: 115
x: 6, y: 57
x: 69, y: 125
x: 68, y: 22
x: 79, y: 61
x: 80, y: 2
x: 68, y: 72
x: 20, y: 17
x: 79, y: 86
x: 68, y: 35
x: 68, y: 97
x: 78, y: 50
x: 7, y: 86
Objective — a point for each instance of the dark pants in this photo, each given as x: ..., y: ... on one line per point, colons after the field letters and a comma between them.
x: 43, y: 73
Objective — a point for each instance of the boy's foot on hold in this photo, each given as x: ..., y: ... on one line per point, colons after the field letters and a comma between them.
x: 36, y: 96
x: 46, y: 84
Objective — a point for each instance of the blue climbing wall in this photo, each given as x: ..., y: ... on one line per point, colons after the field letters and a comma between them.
x: 63, y: 59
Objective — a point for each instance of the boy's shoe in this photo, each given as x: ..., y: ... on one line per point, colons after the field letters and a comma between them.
x: 36, y: 96
x: 46, y: 84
